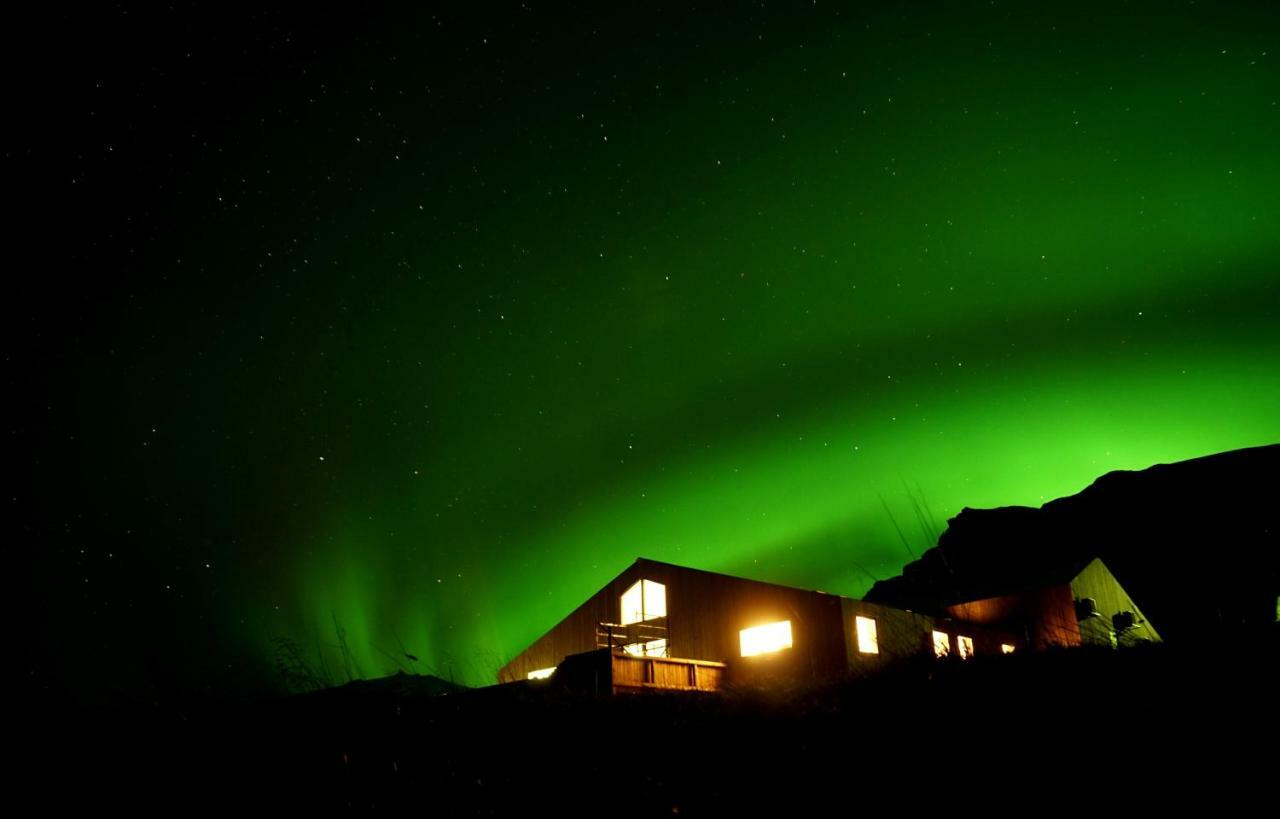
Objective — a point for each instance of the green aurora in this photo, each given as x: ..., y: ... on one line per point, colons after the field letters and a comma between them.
x: 436, y: 336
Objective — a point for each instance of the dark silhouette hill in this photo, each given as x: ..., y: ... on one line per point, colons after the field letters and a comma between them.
x: 397, y: 687
x: 1194, y: 542
x: 1160, y: 723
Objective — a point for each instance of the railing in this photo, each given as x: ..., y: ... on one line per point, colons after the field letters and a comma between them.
x: 616, y: 637
x: 633, y: 673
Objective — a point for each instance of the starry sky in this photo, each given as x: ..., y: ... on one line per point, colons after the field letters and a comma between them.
x: 423, y: 324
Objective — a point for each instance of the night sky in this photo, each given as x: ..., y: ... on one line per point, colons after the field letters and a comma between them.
x: 427, y: 324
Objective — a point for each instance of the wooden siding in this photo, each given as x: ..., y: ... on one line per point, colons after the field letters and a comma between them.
x: 903, y: 635
x: 707, y: 611
x: 665, y: 674
x: 1046, y: 616
x: 1097, y: 582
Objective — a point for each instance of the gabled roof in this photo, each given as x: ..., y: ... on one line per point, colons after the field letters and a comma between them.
x: 642, y: 561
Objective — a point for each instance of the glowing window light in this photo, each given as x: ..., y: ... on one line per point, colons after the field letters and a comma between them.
x: 542, y: 673
x: 941, y: 644
x: 646, y: 600
x: 655, y: 600
x: 868, y: 641
x: 653, y: 648
x: 966, y: 647
x: 765, y: 639
x: 1005, y: 648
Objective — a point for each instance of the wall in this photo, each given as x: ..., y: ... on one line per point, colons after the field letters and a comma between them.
x: 706, y: 612
x: 904, y: 635
x: 1046, y: 617
x: 1096, y: 581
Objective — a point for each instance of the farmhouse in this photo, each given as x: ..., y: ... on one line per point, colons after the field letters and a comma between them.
x: 662, y: 626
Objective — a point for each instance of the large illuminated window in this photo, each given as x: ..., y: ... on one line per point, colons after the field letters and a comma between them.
x: 941, y: 644
x: 966, y: 647
x: 653, y: 648
x: 542, y: 673
x: 645, y: 600
x: 868, y: 641
x: 765, y: 639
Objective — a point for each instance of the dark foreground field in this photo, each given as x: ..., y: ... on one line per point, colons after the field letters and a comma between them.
x: 1079, y: 732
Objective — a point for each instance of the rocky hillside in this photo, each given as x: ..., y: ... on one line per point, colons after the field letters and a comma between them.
x: 1195, y: 543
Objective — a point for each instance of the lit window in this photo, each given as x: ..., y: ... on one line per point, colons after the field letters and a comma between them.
x: 766, y: 638
x: 645, y: 600
x: 941, y: 644
x: 1005, y: 648
x: 542, y: 673
x: 966, y: 647
x: 868, y: 642
x: 653, y: 648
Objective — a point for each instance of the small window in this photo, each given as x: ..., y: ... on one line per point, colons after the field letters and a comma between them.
x: 542, y: 673
x: 646, y: 600
x: 765, y: 639
x: 868, y: 642
x: 966, y: 647
x: 941, y: 644
x: 1006, y: 648
x: 653, y: 648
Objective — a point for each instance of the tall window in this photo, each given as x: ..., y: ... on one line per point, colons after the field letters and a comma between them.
x: 645, y: 600
x: 765, y: 639
x: 941, y: 644
x: 966, y: 647
x: 868, y: 641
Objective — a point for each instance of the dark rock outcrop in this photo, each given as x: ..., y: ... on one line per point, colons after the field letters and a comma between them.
x: 1195, y: 542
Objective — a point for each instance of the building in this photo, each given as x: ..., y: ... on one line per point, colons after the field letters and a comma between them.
x: 667, y: 627
x: 1060, y: 604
